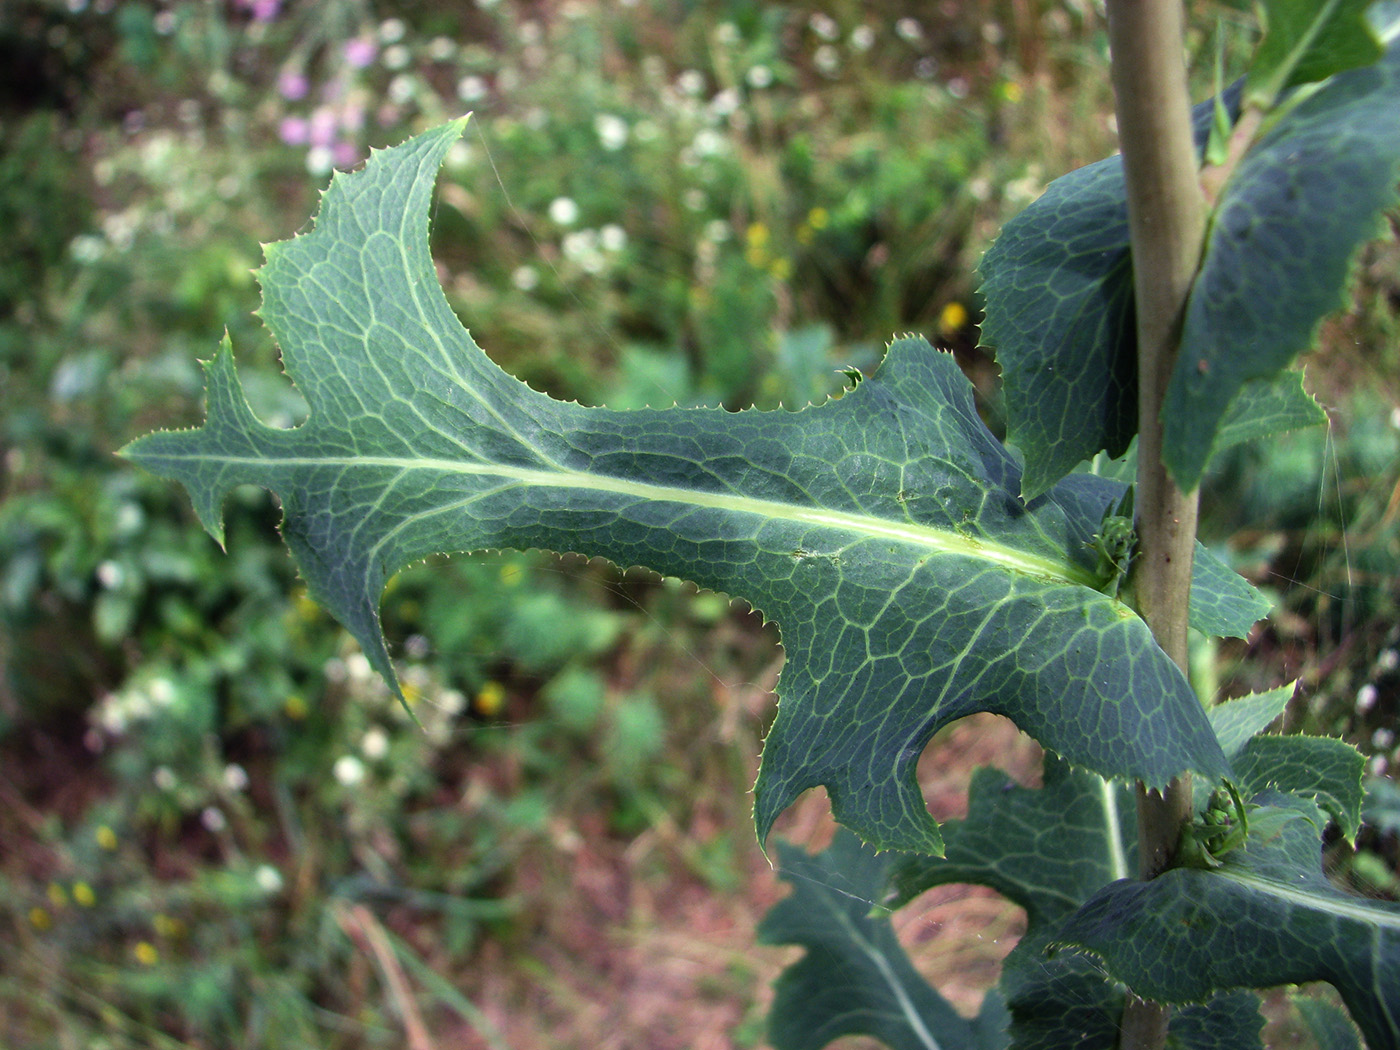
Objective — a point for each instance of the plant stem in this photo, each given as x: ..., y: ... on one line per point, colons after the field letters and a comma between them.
x: 1167, y: 220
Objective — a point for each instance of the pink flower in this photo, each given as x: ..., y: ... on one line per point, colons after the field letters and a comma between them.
x: 294, y: 131
x: 323, y: 127
x: 346, y: 154
x: 360, y: 52
x: 262, y: 10
x: 293, y: 85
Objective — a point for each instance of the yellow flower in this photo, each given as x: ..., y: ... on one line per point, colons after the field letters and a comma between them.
x: 489, y: 699
x: 106, y: 837
x: 83, y: 895
x: 40, y: 918
x: 780, y: 269
x: 817, y: 218
x: 1011, y: 91
x: 165, y: 926
x: 756, y: 235
x: 952, y: 319
x: 58, y: 896
x: 295, y: 708
x: 146, y: 953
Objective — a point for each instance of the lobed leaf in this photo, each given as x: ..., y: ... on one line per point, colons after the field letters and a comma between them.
x: 1049, y: 850
x: 1326, y: 771
x: 1267, y: 916
x: 1330, y: 1026
x: 1238, y: 721
x: 855, y: 978
x: 883, y: 532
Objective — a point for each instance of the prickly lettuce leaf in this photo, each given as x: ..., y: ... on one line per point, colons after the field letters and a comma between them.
x: 1050, y: 849
x: 883, y: 532
x: 855, y: 978
x: 1279, y: 250
x: 1267, y: 916
x: 1058, y: 283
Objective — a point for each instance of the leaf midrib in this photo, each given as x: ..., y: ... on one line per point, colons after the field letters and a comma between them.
x: 1312, y: 900
x: 936, y: 541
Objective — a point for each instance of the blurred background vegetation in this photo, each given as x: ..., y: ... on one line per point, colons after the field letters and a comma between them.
x: 215, y: 828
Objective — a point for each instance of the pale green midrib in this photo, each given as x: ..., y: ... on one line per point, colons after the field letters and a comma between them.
x: 1113, y: 829
x: 1315, y: 901
x: 938, y: 541
x: 897, y: 989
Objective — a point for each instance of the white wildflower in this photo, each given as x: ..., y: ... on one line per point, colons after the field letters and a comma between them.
x: 612, y: 131
x: 692, y: 83
x: 612, y: 238
x: 759, y: 77
x: 348, y: 770
x: 110, y: 575
x: 1366, y: 698
x: 375, y: 744
x: 526, y: 278
x: 824, y: 26
x: 268, y: 879
x: 563, y: 211
x: 471, y: 89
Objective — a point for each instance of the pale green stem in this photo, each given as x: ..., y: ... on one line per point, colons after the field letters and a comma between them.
x: 1167, y: 219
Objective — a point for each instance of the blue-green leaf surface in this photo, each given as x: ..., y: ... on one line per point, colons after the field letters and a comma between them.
x: 883, y: 532
x: 1059, y: 288
x: 1265, y: 407
x: 855, y: 978
x: 1050, y: 849
x: 1238, y: 721
x: 1279, y: 249
x: 1324, y: 770
x: 1267, y: 916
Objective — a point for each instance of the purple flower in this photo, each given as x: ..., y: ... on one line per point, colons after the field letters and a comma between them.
x: 262, y: 10
x: 323, y: 127
x: 294, y: 131
x: 346, y: 154
x: 360, y: 52
x: 293, y: 85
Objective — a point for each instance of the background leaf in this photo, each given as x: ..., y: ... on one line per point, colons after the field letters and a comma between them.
x: 1279, y: 250
x: 1306, y: 41
x: 856, y: 978
x: 883, y: 531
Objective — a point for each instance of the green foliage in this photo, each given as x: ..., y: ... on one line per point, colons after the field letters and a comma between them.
x: 1342, y: 139
x: 813, y: 517
x: 873, y: 206
x: 855, y: 979
x: 1064, y: 264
